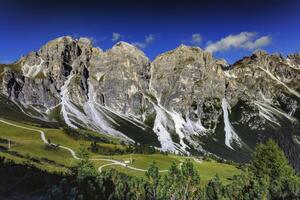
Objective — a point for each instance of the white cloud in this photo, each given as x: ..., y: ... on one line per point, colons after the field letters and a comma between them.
x: 262, y: 41
x: 116, y: 37
x: 196, y: 38
x: 244, y: 40
x: 148, y: 40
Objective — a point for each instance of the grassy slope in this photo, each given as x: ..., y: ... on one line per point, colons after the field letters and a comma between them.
x: 206, y: 170
x: 29, y: 145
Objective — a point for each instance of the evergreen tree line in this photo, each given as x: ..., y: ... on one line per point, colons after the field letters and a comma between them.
x: 268, y: 176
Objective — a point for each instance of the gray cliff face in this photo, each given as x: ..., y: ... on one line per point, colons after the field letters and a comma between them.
x: 267, y: 74
x: 184, y: 101
x: 38, y: 77
x: 264, y: 80
x: 189, y: 81
x: 120, y: 78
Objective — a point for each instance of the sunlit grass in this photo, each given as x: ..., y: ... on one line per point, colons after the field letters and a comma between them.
x: 28, y: 145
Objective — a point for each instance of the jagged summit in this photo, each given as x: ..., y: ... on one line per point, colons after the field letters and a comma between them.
x: 183, y: 46
x: 60, y: 41
x: 223, y: 63
x: 260, y: 53
x: 127, y: 48
x: 65, y: 38
x: 68, y: 39
x: 183, y: 50
x: 125, y: 45
x: 295, y: 55
x: 66, y: 43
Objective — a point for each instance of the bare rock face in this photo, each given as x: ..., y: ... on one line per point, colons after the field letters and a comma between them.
x: 271, y: 74
x: 264, y: 90
x: 37, y: 78
x: 120, y: 78
x: 184, y: 101
x: 266, y: 81
x: 189, y: 81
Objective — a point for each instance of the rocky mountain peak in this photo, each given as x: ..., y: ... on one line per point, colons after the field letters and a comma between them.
x: 260, y: 53
x: 183, y: 50
x: 84, y: 41
x: 184, y: 56
x: 125, y: 48
x: 223, y: 63
x: 125, y: 45
x: 294, y: 56
x: 58, y: 42
x: 65, y: 44
x: 182, y: 100
x: 187, y: 47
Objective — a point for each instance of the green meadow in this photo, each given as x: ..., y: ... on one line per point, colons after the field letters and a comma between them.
x: 26, y: 146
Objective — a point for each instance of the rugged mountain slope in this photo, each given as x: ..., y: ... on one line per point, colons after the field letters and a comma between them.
x: 184, y: 101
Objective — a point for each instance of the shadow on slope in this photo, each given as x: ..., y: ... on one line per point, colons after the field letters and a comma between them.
x: 10, y: 111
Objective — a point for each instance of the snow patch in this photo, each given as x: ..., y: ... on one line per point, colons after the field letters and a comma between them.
x: 179, y: 126
x: 268, y: 112
x: 230, y: 134
x: 97, y: 117
x: 196, y: 127
x: 48, y: 111
x: 125, y: 117
x: 297, y: 94
x: 93, y: 115
x: 68, y: 108
x: 39, y: 112
x: 160, y: 129
x: 20, y: 105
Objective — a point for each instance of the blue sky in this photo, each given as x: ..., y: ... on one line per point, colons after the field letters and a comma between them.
x: 230, y: 29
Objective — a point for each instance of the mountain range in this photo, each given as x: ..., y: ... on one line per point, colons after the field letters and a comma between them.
x: 184, y: 101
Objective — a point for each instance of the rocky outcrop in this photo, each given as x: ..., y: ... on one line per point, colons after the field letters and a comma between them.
x: 120, y: 79
x: 184, y: 101
x: 189, y: 81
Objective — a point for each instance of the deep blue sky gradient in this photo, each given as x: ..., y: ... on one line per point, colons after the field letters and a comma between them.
x: 27, y: 25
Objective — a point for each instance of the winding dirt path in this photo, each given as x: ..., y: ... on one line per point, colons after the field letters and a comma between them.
x: 72, y: 152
